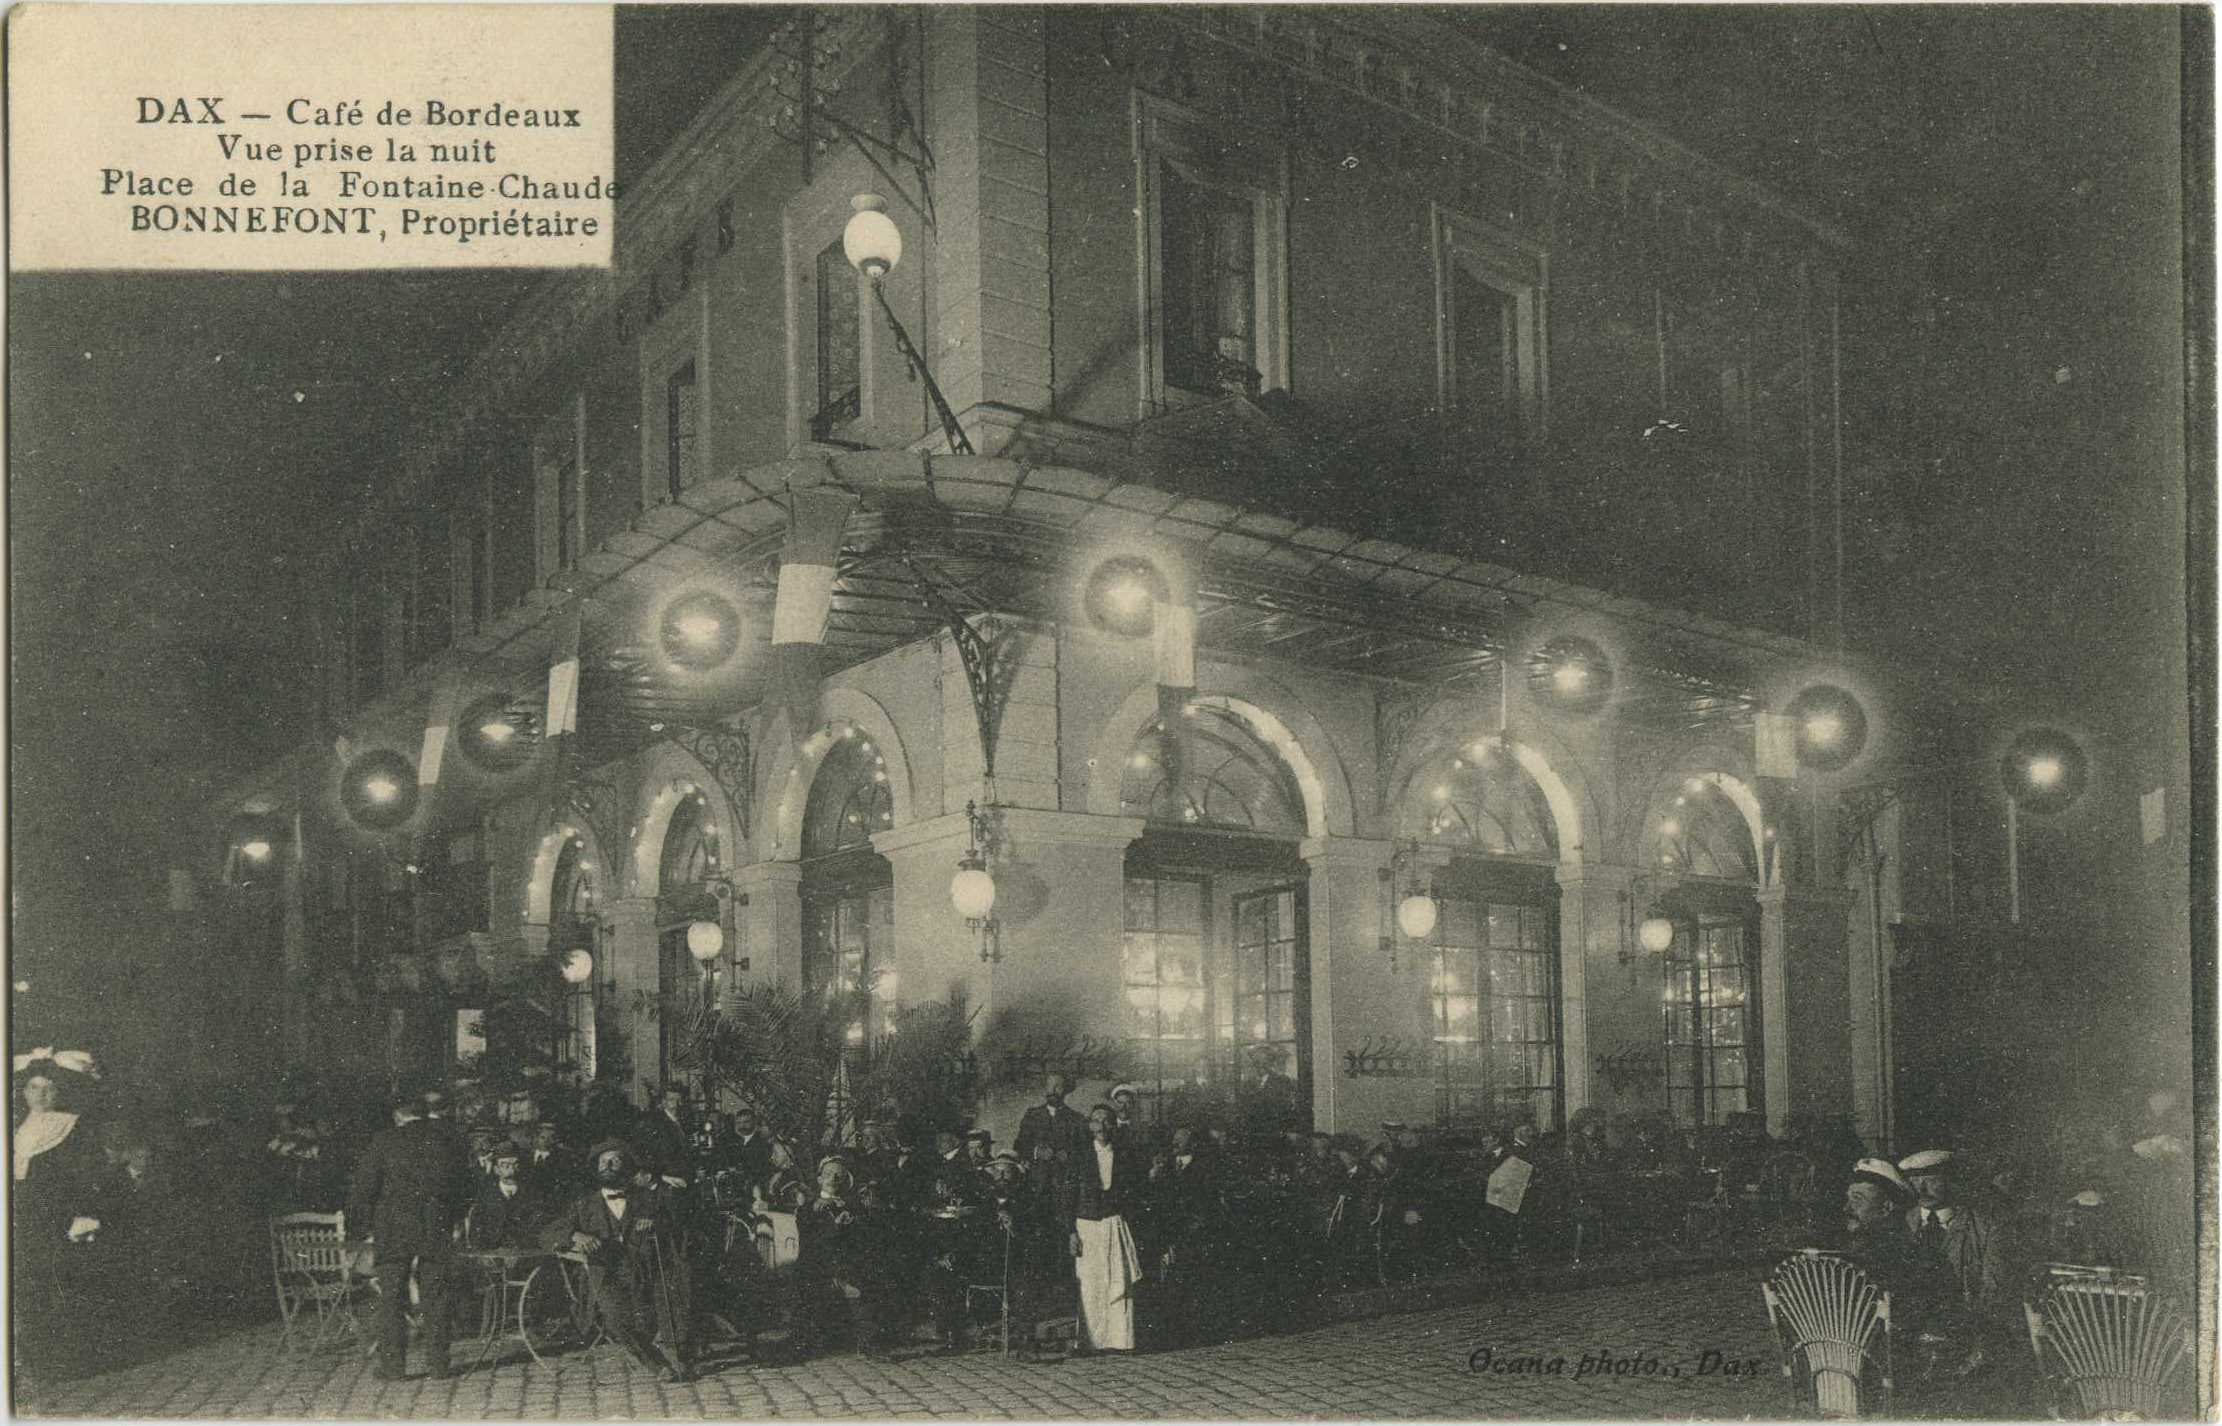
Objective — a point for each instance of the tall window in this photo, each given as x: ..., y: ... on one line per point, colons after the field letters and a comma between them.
x: 682, y: 415
x: 690, y: 859
x: 1494, y: 996
x: 1168, y: 999
x: 1265, y: 977
x: 840, y: 343
x: 1711, y: 1021
x: 1209, y: 238
x: 1492, y: 342
x: 848, y: 889
x: 1216, y: 775
x: 567, y: 513
x: 1214, y: 216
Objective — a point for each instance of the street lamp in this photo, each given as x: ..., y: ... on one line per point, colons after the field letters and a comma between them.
x: 972, y: 889
x: 1571, y: 674
x: 496, y: 736
x: 2044, y: 771
x: 379, y: 790
x: 1416, y: 911
x: 1122, y: 595
x: 873, y: 245
x: 1827, y: 726
x: 700, y: 631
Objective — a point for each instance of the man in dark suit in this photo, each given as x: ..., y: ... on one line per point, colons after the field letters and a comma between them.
x: 553, y: 1171
x: 412, y: 1188
x: 1100, y: 1186
x: 667, y: 1140
x: 1049, y: 1134
x: 509, y: 1209
x: 1269, y: 1095
x: 749, y: 1150
x: 637, y: 1266
x: 1186, y: 1235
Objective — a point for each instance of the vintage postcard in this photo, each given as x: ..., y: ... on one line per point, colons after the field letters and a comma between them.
x: 850, y: 711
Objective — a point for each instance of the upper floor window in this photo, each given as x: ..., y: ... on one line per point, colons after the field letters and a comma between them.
x: 840, y: 345
x: 682, y: 420
x: 1214, y: 214
x: 1491, y: 338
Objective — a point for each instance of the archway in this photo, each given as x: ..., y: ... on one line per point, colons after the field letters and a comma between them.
x: 1495, y: 994
x: 1701, y: 843
x: 1215, y: 973
x: 848, y: 889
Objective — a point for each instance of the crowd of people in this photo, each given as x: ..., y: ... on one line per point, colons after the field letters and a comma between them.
x: 1099, y: 1228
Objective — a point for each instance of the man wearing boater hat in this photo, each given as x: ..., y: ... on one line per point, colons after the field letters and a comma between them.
x: 627, y: 1232
x: 1970, y: 1244
x: 1875, y: 1237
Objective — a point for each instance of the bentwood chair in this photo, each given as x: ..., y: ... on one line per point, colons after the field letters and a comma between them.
x: 1833, y: 1324
x: 308, y: 1262
x: 2108, y: 1346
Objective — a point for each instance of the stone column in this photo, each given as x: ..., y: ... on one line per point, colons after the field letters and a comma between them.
x: 768, y: 931
x: 1357, y: 995
x: 1805, y: 1004
x: 1605, y: 1007
x: 632, y: 968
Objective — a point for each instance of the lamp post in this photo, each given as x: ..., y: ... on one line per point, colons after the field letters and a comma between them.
x: 2044, y: 770
x: 873, y: 245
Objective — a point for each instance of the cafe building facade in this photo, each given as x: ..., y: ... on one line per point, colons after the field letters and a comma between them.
x: 1333, y: 527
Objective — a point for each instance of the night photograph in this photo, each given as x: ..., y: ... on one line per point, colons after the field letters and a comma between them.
x: 1176, y: 711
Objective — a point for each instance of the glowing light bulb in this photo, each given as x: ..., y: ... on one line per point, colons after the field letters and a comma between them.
x: 700, y: 630
x: 1569, y: 678
x: 1671, y: 827
x: 257, y: 850
x: 2046, y: 772
x: 1825, y: 729
x: 496, y: 732
x: 382, y: 789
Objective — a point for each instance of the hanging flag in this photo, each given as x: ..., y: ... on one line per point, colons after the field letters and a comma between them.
x: 439, y: 724
x: 1775, y: 753
x: 816, y: 519
x: 563, y: 675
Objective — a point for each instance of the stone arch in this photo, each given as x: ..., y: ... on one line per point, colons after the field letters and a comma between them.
x: 540, y: 875
x: 1720, y: 768
x: 1449, y: 724
x: 1271, y: 713
x: 786, y: 791
x: 669, y: 774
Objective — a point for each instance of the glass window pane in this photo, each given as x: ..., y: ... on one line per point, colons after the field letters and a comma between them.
x: 1141, y: 906
x: 1460, y: 924
x: 1249, y: 921
x: 1504, y: 1021
x: 1141, y: 959
x: 1180, y: 960
x: 1180, y: 906
x: 1461, y: 1018
x: 1504, y: 925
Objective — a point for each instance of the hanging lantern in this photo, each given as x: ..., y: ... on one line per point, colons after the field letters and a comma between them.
x: 1571, y: 674
x: 1415, y: 916
x: 1655, y: 934
x: 578, y: 966
x: 379, y: 790
x: 2045, y: 770
x: 705, y: 940
x: 1828, y: 727
x: 972, y: 892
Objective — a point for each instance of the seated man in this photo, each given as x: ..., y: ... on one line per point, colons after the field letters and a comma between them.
x: 509, y: 1211
x: 638, y: 1273
x: 1970, y: 1245
x: 1875, y: 1238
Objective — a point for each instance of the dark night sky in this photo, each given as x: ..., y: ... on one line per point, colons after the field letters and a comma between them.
x: 2012, y: 336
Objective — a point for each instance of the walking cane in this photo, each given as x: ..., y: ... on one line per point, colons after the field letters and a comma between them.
x: 667, y: 1319
x: 1006, y: 1292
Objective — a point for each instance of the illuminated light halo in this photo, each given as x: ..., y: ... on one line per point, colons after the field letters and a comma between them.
x: 1828, y: 727
x: 379, y: 789
x: 1655, y: 934
x: 1122, y: 594
x: 496, y: 734
x: 700, y: 631
x: 972, y: 892
x: 1571, y: 674
x: 2045, y: 770
x: 705, y: 941
x: 1415, y: 915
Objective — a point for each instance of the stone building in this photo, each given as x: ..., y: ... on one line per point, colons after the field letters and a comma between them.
x: 1371, y: 476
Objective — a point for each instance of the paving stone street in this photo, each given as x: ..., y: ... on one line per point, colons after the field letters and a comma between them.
x: 1417, y: 1364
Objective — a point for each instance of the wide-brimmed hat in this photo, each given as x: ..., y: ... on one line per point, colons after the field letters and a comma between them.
x: 1885, y: 1176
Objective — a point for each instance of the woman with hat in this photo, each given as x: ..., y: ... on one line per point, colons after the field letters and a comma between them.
x: 56, y: 1210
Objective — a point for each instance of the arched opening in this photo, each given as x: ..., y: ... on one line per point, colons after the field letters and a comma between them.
x: 1216, y: 952
x: 848, y: 889
x: 1712, y: 1033
x: 574, y: 928
x: 1494, y: 997
x: 689, y: 864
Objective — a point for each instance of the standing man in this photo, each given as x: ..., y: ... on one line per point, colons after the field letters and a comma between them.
x: 1050, y: 1135
x: 1100, y: 1186
x: 412, y: 1187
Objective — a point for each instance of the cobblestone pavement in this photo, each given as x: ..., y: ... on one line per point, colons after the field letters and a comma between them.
x: 1411, y: 1365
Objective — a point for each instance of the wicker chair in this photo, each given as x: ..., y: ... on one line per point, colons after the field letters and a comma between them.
x: 2109, y: 1347
x: 1833, y: 1324
x: 308, y: 1261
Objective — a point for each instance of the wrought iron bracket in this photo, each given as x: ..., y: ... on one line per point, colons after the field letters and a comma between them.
x: 1862, y: 806
x: 977, y: 654
x: 959, y: 442
x: 726, y: 753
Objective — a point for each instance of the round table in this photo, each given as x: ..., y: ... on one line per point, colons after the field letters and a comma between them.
x: 534, y: 1293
